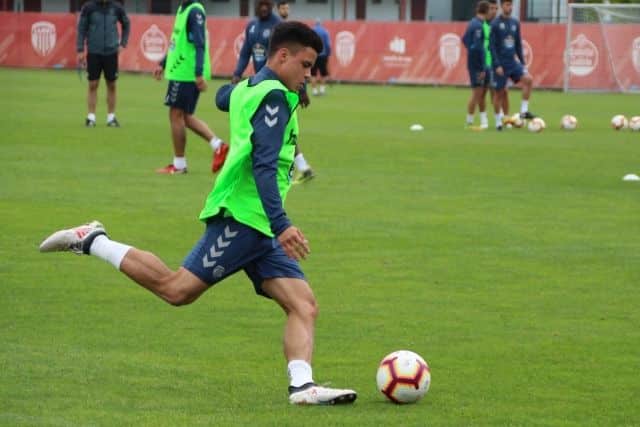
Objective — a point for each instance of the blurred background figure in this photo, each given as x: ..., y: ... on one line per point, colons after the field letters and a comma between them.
x: 320, y: 70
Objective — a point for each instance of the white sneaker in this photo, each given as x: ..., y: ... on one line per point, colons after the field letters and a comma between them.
x: 77, y: 240
x: 311, y: 394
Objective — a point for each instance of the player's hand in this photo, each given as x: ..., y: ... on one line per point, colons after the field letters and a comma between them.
x: 120, y: 49
x: 481, y: 75
x: 304, y: 98
x: 294, y: 243
x: 157, y: 73
x: 80, y: 58
x: 499, y: 71
x: 201, y: 84
x: 235, y: 79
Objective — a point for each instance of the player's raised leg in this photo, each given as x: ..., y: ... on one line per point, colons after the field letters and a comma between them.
x: 175, y: 287
x: 298, y: 302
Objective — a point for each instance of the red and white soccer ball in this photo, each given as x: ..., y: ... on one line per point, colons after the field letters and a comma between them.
x: 536, y: 125
x: 569, y: 122
x: 403, y: 376
x: 634, y: 123
x: 619, y: 122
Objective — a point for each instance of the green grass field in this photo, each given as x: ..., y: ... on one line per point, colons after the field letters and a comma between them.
x: 509, y: 261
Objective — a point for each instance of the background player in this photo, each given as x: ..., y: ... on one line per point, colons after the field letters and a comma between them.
x: 506, y: 45
x: 474, y: 41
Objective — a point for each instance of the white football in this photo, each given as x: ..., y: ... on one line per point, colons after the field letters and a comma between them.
x: 634, y: 123
x: 536, y: 125
x: 403, y: 377
x: 568, y: 122
x: 516, y: 121
x: 619, y: 122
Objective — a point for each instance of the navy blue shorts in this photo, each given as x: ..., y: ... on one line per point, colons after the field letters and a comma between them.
x: 228, y: 246
x: 476, y: 81
x: 182, y: 95
x: 511, y: 71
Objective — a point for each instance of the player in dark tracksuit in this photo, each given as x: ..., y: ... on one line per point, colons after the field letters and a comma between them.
x: 98, y: 34
x: 473, y: 40
x: 506, y: 45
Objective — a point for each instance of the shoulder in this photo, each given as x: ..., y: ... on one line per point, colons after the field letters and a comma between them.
x: 88, y: 7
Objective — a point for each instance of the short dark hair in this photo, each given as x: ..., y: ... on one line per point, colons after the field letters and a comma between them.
x: 293, y: 33
x: 493, y: 1
x: 280, y: 3
x: 482, y: 7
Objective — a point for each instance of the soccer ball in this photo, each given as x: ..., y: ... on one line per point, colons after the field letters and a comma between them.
x: 568, y: 122
x: 536, y: 125
x: 403, y: 377
x: 516, y: 121
x: 619, y: 122
x: 634, y: 123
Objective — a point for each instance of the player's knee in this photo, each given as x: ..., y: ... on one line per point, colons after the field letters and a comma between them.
x: 178, y: 296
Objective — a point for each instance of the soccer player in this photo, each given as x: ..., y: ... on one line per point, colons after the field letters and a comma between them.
x: 255, y: 46
x: 320, y: 69
x: 506, y: 45
x: 283, y: 10
x: 98, y: 29
x: 473, y: 39
x: 187, y: 66
x: 247, y: 227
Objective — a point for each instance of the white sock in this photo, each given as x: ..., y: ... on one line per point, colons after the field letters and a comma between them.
x: 498, y: 119
x: 179, y: 162
x: 215, y: 143
x: 483, y: 118
x: 322, y: 88
x: 91, y: 116
x: 301, y: 163
x: 108, y: 250
x: 111, y: 116
x: 299, y: 372
x: 469, y: 119
x: 524, y: 106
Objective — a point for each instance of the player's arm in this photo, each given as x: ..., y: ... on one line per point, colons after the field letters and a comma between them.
x: 518, y: 38
x: 83, y: 28
x: 196, y: 34
x: 223, y: 97
x: 494, y: 43
x: 126, y: 26
x: 244, y: 56
x: 269, y: 125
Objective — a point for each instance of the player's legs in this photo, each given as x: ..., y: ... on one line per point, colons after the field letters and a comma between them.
x: 299, y: 304
x: 178, y: 131
x: 324, y: 73
x: 175, y: 287
x: 110, y: 66
x: 199, y: 127
x: 314, y: 78
x: 94, y: 71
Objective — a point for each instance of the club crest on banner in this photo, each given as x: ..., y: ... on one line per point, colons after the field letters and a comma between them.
x: 154, y: 43
x: 450, y: 50
x: 43, y: 37
x: 582, y: 56
x: 345, y: 47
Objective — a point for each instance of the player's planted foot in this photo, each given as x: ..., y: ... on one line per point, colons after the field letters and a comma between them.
x: 113, y: 123
x: 312, y: 394
x: 219, y: 156
x: 77, y: 240
x: 171, y: 170
x: 90, y: 123
x: 305, y: 176
x: 528, y: 115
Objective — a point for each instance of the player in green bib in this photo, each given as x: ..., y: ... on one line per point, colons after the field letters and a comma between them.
x: 247, y: 227
x: 187, y: 66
